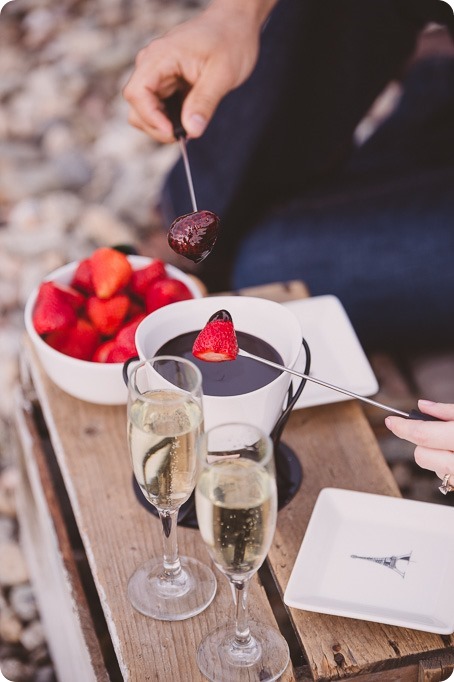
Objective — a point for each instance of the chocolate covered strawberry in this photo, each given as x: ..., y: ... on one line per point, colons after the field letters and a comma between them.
x: 217, y: 341
x: 193, y: 235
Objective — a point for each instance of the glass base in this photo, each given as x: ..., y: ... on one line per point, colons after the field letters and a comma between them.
x: 186, y: 595
x: 265, y: 659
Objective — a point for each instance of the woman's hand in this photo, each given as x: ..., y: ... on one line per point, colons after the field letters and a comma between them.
x: 211, y: 54
x: 434, y: 440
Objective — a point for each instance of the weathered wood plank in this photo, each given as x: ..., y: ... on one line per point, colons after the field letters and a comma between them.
x: 406, y: 674
x: 118, y: 535
x: 63, y: 607
x: 436, y: 670
x: 337, y: 448
x: 425, y: 671
x: 279, y: 292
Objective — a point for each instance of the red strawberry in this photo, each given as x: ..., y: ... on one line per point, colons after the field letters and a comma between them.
x: 166, y: 291
x: 82, y: 278
x: 217, y: 341
x: 107, y: 315
x: 102, y: 352
x: 120, y: 354
x: 79, y: 341
x: 126, y: 335
x: 53, y: 310
x: 111, y: 271
x: 74, y: 297
x: 135, y: 308
x: 141, y: 279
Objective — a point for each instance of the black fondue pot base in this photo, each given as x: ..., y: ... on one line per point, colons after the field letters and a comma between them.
x: 289, y: 475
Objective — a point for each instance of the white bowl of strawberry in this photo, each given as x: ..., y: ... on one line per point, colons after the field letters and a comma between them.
x: 82, y: 318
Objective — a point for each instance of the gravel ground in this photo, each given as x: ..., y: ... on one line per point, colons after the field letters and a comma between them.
x: 73, y: 176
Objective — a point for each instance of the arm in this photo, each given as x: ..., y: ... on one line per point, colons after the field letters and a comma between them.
x: 213, y: 53
x: 434, y: 440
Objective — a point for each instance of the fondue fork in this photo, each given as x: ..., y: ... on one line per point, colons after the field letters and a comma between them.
x: 413, y: 414
x: 173, y: 107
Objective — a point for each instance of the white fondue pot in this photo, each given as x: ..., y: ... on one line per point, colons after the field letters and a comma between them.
x: 264, y: 319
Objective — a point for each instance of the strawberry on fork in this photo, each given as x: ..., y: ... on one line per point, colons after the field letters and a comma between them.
x: 217, y: 341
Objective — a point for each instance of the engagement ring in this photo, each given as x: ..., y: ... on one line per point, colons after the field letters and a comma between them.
x: 446, y: 487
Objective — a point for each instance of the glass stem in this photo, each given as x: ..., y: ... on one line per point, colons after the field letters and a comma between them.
x: 171, y: 563
x: 240, y: 590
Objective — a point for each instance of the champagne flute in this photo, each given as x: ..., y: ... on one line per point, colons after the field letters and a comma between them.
x: 236, y: 503
x: 165, y: 419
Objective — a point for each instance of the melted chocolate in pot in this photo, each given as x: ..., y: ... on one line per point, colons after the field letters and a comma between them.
x: 230, y: 377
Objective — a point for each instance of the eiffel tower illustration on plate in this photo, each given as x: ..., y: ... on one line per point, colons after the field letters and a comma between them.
x: 389, y: 561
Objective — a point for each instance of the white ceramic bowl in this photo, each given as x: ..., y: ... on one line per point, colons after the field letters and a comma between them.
x: 267, y: 320
x: 94, y: 382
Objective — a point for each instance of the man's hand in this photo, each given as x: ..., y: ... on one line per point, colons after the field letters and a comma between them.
x: 210, y: 55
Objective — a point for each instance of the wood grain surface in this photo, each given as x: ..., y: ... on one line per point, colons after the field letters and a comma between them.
x: 336, y: 447
x: 119, y: 534
x: 63, y: 606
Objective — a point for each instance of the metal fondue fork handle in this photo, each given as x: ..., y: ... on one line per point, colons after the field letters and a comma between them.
x: 173, y: 106
x: 413, y: 414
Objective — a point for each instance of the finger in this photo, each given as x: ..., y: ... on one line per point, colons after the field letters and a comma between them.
x: 148, y: 107
x: 203, y: 99
x: 440, y: 461
x: 441, y: 410
x: 148, y: 111
x: 135, y: 120
x: 437, y: 435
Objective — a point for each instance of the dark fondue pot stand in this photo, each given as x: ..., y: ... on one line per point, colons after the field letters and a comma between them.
x: 288, y: 468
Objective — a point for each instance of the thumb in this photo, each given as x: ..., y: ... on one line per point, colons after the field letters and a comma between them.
x: 202, y: 101
x: 444, y: 411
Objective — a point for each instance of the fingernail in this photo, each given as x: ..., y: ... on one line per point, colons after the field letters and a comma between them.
x: 426, y: 403
x: 388, y: 422
x: 196, y: 125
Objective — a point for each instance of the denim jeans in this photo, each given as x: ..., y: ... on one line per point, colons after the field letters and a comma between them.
x: 387, y: 254
x: 373, y: 225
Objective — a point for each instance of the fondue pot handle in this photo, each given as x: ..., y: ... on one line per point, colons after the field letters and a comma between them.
x: 276, y: 433
x: 134, y: 358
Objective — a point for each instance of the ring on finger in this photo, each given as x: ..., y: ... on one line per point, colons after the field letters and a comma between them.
x: 446, y: 487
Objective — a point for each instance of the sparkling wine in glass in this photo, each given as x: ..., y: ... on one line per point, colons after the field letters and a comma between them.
x: 236, y: 503
x: 165, y: 420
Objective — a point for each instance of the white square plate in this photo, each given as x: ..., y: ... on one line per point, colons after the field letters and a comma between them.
x: 337, y: 355
x: 377, y: 558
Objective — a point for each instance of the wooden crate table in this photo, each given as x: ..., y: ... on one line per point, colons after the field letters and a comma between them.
x: 84, y: 533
